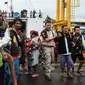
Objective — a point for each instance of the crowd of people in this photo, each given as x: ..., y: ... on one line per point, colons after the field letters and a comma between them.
x: 23, y: 14
x: 34, y: 14
x: 16, y: 50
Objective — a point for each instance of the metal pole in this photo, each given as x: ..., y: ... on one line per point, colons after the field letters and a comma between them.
x: 57, y: 10
x: 62, y: 9
x: 69, y: 13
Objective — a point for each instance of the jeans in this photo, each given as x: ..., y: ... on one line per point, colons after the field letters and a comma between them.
x: 8, y: 77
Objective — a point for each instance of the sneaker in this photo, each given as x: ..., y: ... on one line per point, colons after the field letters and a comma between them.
x: 63, y: 75
x: 74, y: 73
x: 80, y: 74
x: 35, y: 75
x: 21, y: 68
x: 48, y: 77
x: 69, y: 76
x: 52, y: 68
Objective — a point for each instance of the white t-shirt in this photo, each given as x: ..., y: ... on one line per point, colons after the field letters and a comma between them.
x: 6, y: 39
x: 67, y: 49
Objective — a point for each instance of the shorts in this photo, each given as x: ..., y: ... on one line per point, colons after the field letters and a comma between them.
x: 66, y: 60
x: 2, y: 75
x: 79, y: 56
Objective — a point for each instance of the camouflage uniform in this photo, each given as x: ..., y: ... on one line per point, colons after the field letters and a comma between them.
x: 48, y: 51
x: 77, y: 50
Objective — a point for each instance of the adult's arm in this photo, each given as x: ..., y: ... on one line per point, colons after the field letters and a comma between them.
x: 8, y: 58
x: 49, y: 39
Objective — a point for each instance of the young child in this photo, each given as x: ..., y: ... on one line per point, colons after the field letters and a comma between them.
x: 33, y: 53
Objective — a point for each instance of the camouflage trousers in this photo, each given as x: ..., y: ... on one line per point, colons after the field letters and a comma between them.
x: 48, y: 55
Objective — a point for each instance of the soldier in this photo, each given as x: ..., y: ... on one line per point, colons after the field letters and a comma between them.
x: 77, y: 49
x: 47, y: 41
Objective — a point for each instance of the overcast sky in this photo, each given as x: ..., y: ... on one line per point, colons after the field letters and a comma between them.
x: 47, y: 6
